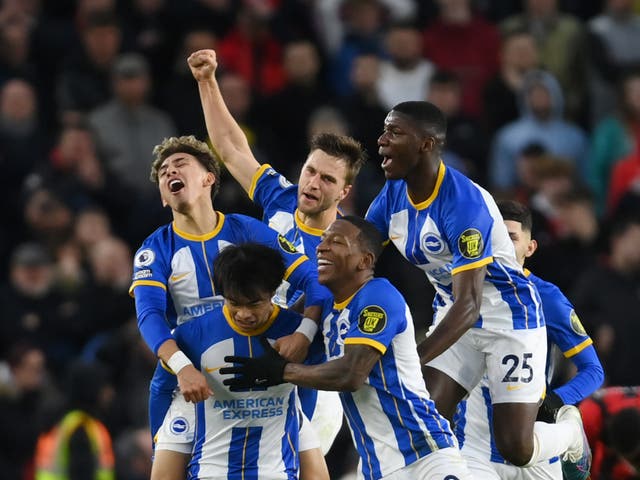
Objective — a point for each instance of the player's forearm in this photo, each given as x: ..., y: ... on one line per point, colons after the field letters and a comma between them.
x: 456, y: 322
x: 588, y: 379
x: 168, y: 348
x: 334, y: 375
x: 224, y: 132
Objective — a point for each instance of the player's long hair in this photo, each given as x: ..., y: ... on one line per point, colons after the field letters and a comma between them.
x: 192, y: 146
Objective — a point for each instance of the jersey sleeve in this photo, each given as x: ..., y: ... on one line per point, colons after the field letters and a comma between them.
x: 376, y: 319
x: 565, y: 330
x: 271, y: 190
x: 149, y: 288
x: 300, y: 272
x: 378, y: 212
x: 467, y: 226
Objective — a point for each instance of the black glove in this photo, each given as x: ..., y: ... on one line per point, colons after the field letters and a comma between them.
x: 547, y: 412
x: 264, y: 371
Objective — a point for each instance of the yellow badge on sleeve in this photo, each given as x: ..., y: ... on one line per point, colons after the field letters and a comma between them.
x: 576, y: 324
x: 470, y: 243
x: 372, y: 320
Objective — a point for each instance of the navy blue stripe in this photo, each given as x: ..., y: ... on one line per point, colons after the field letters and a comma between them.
x: 507, y: 289
x: 460, y: 422
x: 495, y: 454
x: 200, y: 436
x: 244, y: 450
x: 364, y: 443
x: 289, y: 443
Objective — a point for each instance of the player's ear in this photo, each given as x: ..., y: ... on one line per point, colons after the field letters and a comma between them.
x: 344, y: 192
x: 531, y: 248
x: 209, y: 179
x: 367, y: 261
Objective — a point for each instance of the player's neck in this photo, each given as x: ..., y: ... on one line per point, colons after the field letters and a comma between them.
x: 320, y: 220
x: 421, y: 182
x: 349, y: 287
x: 198, y: 221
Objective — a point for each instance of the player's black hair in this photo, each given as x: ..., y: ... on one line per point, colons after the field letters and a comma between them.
x: 369, y: 236
x: 427, y: 116
x: 517, y: 212
x: 248, y: 270
x: 624, y: 430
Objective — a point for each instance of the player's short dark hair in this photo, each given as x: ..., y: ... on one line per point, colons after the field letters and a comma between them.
x: 344, y: 147
x: 192, y: 146
x: 426, y: 116
x: 516, y: 212
x: 369, y: 236
x: 248, y: 270
x: 624, y: 430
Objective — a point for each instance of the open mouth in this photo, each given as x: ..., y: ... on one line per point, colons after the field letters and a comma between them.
x: 386, y: 161
x: 175, y: 185
x: 309, y: 197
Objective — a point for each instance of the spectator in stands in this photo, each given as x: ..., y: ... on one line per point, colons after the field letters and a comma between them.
x: 541, y: 121
x: 613, y: 36
x: 615, y: 137
x: 451, y: 42
x: 518, y: 56
x: 466, y: 147
x: 608, y: 296
x: 24, y: 392
x: 364, y: 22
x: 612, y: 423
x: 304, y: 90
x: 84, y: 81
x: 561, y: 40
x: 404, y: 73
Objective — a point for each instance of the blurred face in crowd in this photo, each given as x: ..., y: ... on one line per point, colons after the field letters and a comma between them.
x: 102, y: 44
x: 17, y: 101
x: 540, y: 102
x: 301, y: 62
x: 29, y: 373
x: 365, y: 72
x: 404, y: 45
x: 132, y: 90
x: 520, y: 52
x: 624, y: 249
x: 236, y: 93
x: 33, y: 281
x: 541, y: 8
x: 632, y: 95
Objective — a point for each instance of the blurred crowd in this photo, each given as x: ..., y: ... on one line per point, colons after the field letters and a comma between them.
x: 542, y: 99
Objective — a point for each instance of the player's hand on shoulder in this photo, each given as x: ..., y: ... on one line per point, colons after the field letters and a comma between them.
x: 193, y: 385
x: 293, y: 347
x: 203, y: 64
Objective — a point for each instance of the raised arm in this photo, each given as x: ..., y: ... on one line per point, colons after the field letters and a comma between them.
x: 227, y: 138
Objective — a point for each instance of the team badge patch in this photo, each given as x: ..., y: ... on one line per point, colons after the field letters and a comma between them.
x: 372, y: 319
x: 286, y: 245
x: 576, y: 324
x: 144, y: 257
x: 470, y: 243
x: 179, y: 426
x: 432, y: 243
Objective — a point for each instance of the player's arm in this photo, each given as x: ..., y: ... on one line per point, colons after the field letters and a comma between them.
x: 150, y: 302
x: 345, y: 374
x: 227, y: 138
x: 464, y: 312
x: 587, y: 380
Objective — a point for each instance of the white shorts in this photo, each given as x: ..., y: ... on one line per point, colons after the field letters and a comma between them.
x: 308, y: 439
x: 178, y: 428
x: 327, y: 418
x: 514, y: 361
x: 540, y: 471
x: 445, y: 464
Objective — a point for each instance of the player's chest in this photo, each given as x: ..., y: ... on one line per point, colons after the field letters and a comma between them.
x: 419, y: 238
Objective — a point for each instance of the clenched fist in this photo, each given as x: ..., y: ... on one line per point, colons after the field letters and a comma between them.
x: 203, y: 64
